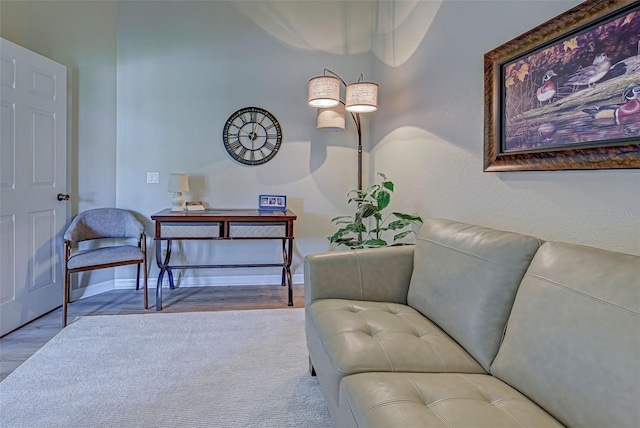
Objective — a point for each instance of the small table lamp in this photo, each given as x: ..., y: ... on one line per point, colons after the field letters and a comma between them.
x: 178, y: 183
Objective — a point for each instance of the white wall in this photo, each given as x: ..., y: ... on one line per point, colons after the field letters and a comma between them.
x: 430, y: 141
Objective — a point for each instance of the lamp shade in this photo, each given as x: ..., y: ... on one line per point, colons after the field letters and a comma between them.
x: 362, y: 97
x: 178, y: 182
x: 331, y: 119
x: 324, y: 91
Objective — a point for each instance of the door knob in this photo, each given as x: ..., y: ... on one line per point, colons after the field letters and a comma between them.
x: 62, y: 197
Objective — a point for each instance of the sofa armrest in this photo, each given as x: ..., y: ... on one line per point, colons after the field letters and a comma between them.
x: 374, y: 274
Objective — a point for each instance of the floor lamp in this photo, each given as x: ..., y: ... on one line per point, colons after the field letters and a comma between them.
x: 360, y: 97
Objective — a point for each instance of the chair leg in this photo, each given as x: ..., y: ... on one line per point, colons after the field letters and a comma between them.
x: 312, y: 370
x: 65, y: 298
x: 146, y: 289
x: 138, y: 277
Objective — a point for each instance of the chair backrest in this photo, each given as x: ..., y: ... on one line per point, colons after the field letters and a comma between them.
x: 102, y: 223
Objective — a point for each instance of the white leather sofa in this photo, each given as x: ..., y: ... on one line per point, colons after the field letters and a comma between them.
x: 476, y: 327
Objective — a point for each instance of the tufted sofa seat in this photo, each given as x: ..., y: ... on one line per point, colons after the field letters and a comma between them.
x: 436, y: 400
x: 377, y: 337
x: 475, y: 327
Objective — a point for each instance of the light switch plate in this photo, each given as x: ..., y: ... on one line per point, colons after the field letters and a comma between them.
x: 153, y: 178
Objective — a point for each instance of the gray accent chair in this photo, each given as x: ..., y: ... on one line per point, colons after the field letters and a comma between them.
x: 98, y: 225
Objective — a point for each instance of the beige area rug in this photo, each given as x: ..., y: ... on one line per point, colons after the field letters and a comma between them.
x: 197, y: 369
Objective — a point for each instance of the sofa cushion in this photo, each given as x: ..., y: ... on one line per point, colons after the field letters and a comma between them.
x: 572, y: 342
x: 435, y: 400
x: 348, y: 336
x: 465, y: 279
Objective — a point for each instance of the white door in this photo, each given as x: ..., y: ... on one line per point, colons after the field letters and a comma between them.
x: 33, y: 142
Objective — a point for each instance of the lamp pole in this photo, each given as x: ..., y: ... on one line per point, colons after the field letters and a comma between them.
x: 356, y: 120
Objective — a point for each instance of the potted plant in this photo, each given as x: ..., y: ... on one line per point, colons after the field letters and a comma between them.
x: 365, y: 228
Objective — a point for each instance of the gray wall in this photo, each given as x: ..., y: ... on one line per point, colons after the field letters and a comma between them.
x: 82, y: 36
x: 183, y: 69
x: 152, y: 83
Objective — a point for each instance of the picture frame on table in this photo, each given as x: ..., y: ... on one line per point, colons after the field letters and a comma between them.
x: 272, y: 202
x: 566, y: 95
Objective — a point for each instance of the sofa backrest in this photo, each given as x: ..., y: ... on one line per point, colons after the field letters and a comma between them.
x: 465, y: 279
x: 572, y: 342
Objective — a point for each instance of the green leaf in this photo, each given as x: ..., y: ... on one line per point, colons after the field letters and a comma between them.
x: 401, y: 235
x: 412, y: 218
x: 338, y: 235
x: 351, y: 244
x: 371, y: 192
x: 343, y: 222
x: 342, y: 217
x: 399, y: 224
x: 383, y: 199
x: 367, y: 210
x: 374, y: 243
x: 388, y: 185
x: 356, y: 228
x: 384, y: 177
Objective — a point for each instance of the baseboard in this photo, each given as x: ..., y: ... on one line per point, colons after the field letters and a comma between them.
x: 92, y: 290
x: 210, y: 281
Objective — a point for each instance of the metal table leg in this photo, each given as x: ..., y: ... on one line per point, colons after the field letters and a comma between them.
x: 163, y: 265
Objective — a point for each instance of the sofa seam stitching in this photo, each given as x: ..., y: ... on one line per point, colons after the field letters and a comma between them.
x: 348, y: 399
x: 360, y: 283
x: 385, y: 352
x: 582, y: 293
x: 507, y: 412
x: 427, y: 405
x: 506, y: 267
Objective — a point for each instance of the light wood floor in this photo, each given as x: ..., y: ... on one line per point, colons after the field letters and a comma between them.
x: 19, y: 345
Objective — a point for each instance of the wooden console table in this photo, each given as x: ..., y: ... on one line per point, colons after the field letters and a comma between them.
x: 222, y: 224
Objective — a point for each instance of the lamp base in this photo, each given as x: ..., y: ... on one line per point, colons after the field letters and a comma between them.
x: 178, y: 202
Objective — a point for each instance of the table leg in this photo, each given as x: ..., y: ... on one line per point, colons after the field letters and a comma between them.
x: 288, y: 259
x: 159, y: 291
x: 166, y: 263
x: 163, y: 265
x: 284, y: 263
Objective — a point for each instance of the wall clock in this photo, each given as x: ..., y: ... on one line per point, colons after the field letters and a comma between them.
x: 252, y: 136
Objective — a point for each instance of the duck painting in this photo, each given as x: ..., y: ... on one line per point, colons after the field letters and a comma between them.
x: 580, y: 89
x: 588, y: 76
x: 626, y: 66
x: 548, y: 90
x: 546, y: 131
x: 618, y: 114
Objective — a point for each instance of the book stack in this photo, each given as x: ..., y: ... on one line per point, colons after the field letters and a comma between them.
x: 194, y: 206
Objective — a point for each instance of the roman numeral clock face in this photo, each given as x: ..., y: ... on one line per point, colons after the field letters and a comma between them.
x: 252, y: 136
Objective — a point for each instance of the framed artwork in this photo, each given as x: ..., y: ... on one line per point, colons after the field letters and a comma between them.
x: 272, y: 202
x: 566, y: 95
